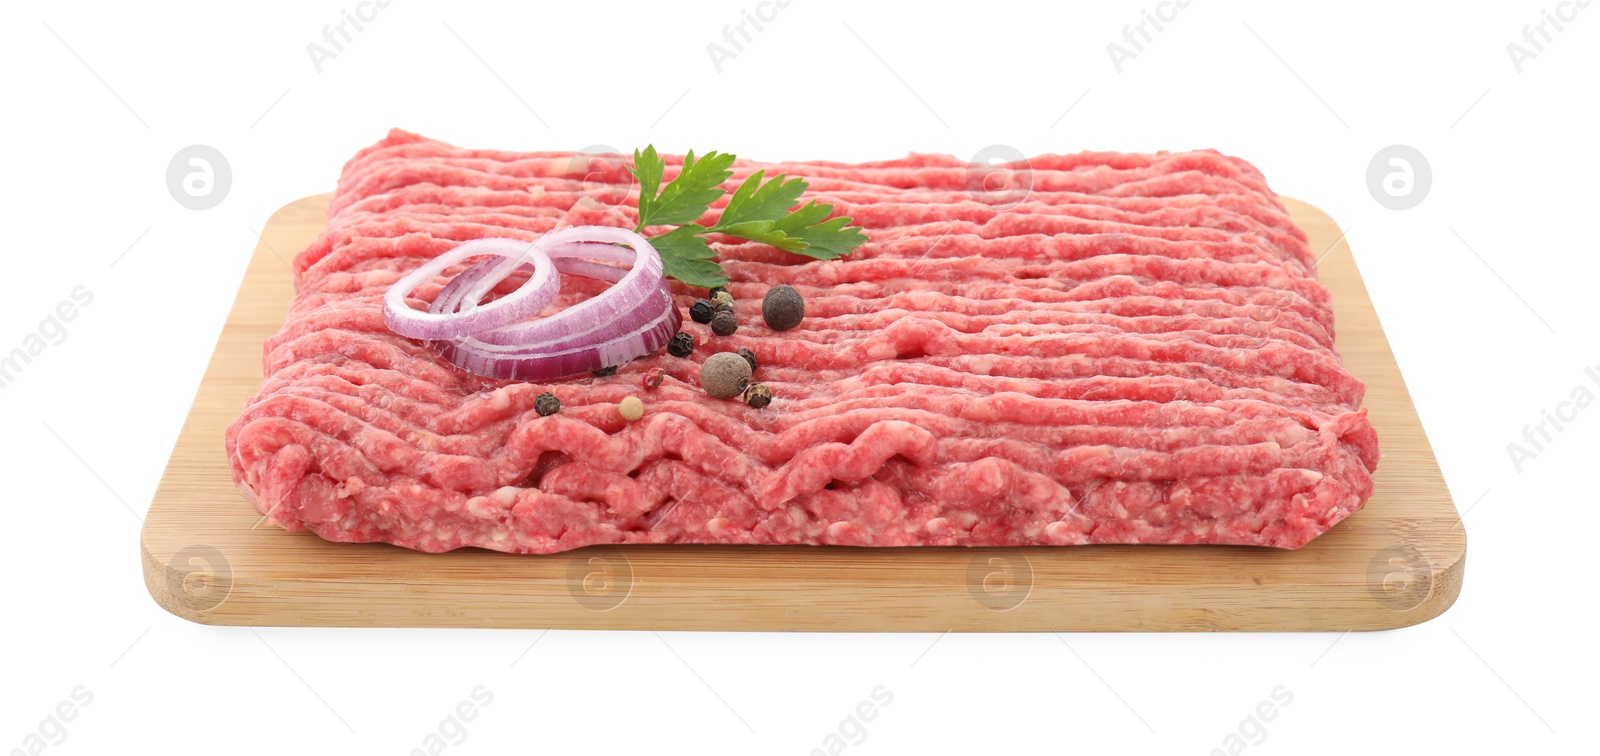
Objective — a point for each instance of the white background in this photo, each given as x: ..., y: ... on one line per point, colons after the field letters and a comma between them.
x: 99, y: 97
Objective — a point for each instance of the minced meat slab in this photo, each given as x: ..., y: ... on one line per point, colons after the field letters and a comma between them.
x: 1137, y: 352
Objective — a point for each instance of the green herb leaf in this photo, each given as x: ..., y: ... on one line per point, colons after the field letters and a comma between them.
x: 824, y: 240
x: 686, y: 256
x: 647, y: 168
x: 809, y: 214
x: 759, y: 211
x: 755, y: 201
x: 764, y: 232
x: 696, y: 187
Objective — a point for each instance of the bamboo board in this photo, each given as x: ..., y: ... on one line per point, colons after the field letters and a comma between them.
x: 208, y: 558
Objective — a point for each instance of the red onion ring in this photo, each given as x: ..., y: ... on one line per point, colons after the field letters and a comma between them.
x: 525, y: 302
x: 537, y: 363
x: 634, y: 317
x: 626, y: 294
x: 574, y: 258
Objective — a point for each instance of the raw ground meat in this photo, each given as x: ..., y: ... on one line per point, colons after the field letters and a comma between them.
x: 1136, y: 352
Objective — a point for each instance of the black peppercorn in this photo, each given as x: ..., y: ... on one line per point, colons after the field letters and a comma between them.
x: 749, y: 357
x: 782, y: 307
x: 605, y: 371
x: 546, y: 404
x: 757, y: 395
x: 700, y: 311
x: 724, y: 323
x: 681, y: 345
x: 720, y: 306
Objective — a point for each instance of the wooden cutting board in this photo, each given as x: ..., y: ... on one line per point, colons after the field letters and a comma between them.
x: 209, y: 558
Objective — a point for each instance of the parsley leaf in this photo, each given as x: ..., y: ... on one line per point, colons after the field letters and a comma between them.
x: 692, y: 192
x: 804, y: 231
x: 755, y: 201
x: 764, y: 232
x: 825, y: 240
x: 760, y: 210
x: 686, y: 256
x: 647, y: 167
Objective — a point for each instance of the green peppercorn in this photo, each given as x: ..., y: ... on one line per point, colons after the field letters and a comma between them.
x: 712, y: 294
x: 724, y: 323
x: 749, y: 357
x: 681, y: 345
x: 546, y: 404
x: 722, y: 298
x: 724, y: 375
x: 700, y: 311
x: 605, y: 371
x: 758, y: 395
x: 782, y: 307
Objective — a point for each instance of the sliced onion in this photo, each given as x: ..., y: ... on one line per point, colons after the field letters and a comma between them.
x: 648, y: 312
x: 634, y: 317
x: 572, y: 258
x: 533, y: 296
x: 587, y: 269
x: 537, y: 363
x: 628, y: 293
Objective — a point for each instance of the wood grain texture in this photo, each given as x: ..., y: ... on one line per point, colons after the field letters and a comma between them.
x: 208, y: 558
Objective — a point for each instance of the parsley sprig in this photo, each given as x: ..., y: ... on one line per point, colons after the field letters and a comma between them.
x: 760, y: 210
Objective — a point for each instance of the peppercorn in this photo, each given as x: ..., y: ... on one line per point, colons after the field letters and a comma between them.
x: 758, y: 395
x: 681, y: 345
x: 654, y: 377
x: 724, y: 323
x: 631, y: 408
x: 720, y: 306
x: 605, y: 371
x: 724, y: 375
x: 546, y: 404
x: 714, y: 291
x: 782, y: 307
x: 749, y: 357
x: 722, y: 297
x: 700, y: 311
